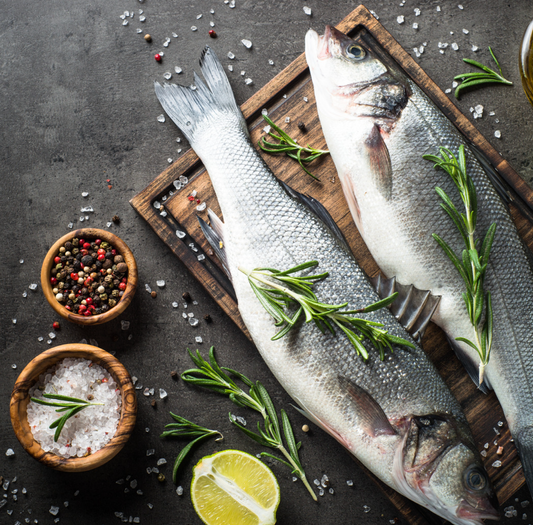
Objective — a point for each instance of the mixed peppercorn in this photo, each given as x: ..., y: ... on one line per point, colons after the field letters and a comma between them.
x: 89, y: 277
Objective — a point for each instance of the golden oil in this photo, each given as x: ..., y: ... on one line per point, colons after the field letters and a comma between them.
x: 526, y: 62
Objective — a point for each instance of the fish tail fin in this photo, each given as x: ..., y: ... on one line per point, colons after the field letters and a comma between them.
x: 193, y: 110
x: 523, y: 440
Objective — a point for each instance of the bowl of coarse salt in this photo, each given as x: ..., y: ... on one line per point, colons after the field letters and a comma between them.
x: 91, y: 435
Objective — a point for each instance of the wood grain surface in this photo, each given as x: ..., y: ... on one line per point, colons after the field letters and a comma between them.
x: 122, y: 249
x: 20, y: 399
x: 291, y: 94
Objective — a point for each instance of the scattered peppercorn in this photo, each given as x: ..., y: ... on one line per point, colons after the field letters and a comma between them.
x: 186, y: 296
x: 153, y: 403
x: 153, y: 293
x: 116, y: 219
x: 148, y: 38
x: 161, y: 477
x: 157, y: 57
x: 305, y: 428
x: 301, y: 127
x: 90, y: 397
x: 173, y: 374
x: 207, y: 318
x: 55, y: 325
x: 212, y: 33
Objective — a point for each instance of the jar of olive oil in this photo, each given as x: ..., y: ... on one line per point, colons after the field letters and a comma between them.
x: 526, y: 62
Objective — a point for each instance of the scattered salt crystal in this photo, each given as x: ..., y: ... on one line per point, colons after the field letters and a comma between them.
x: 230, y: 67
x: 167, y: 75
x: 142, y: 18
x: 294, y: 479
x: 146, y: 392
x: 52, y: 335
x: 193, y: 321
x: 231, y: 56
x: 24, y: 294
x: 373, y: 13
x: 53, y: 510
x: 77, y: 493
x: 475, y: 48
x: 524, y: 503
x: 148, y: 288
x: 305, y: 99
x: 175, y: 35
x: 448, y: 90
x: 150, y: 506
x: 321, y: 491
x: 466, y: 31
x: 184, y: 315
x: 366, y: 509
x: 198, y: 339
x: 246, y: 43
x: 349, y: 482
x: 498, y: 134
x: 331, y: 491
x: 442, y: 45
x: 175, y: 304
x: 125, y: 23
x: 162, y: 393
x: 190, y: 314
x: 438, y: 9
x: 155, y: 470
x: 232, y: 4
x: 147, y: 430
x: 271, y: 62
x: 400, y: 19
x: 454, y: 84
x: 124, y: 325
x: 484, y: 453
x: 198, y: 17
x: 415, y: 26
x: 307, y: 10
x: 148, y: 470
x: 161, y: 461
x: 161, y: 118
x: 201, y: 207
x: 324, y: 481
x: 287, y: 119
x: 49, y: 341
x: 455, y: 47
x: 14, y: 321
x: 133, y: 483
x: 160, y: 283
x: 497, y: 464
x: 10, y: 452
x: 491, y: 114
x: 212, y: 11
x: 417, y: 11
x: 267, y: 129
x: 316, y: 482
x: 248, y: 81
x: 32, y: 287
x: 460, y: 7
x: 40, y: 339
x: 14, y: 366
x: 150, y: 452
x: 84, y: 194
x: 139, y: 492
x: 179, y: 491
x: 119, y: 482
x: 194, y: 28
x: 139, y: 30
x: 180, y: 234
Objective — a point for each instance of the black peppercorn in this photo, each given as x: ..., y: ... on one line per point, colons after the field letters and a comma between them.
x: 207, y: 318
x: 187, y: 296
x: 301, y: 127
x: 116, y: 219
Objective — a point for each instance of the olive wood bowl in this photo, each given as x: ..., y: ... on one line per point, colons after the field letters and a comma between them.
x: 20, y: 399
x: 124, y: 301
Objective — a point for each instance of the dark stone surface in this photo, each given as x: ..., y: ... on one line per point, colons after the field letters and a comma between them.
x: 78, y: 108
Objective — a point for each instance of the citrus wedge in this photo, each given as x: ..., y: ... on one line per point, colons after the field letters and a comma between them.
x: 234, y: 488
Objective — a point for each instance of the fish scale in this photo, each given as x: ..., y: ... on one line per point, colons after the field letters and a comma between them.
x: 398, y: 226
x: 370, y: 407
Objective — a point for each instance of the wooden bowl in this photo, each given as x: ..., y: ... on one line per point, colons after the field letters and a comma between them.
x: 129, y: 292
x: 29, y: 376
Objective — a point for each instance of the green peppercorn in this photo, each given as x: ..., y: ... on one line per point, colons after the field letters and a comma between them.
x: 161, y: 477
x: 75, y: 241
x: 111, y: 303
x: 114, y: 293
x: 104, y: 245
x: 103, y: 297
x: 75, y: 251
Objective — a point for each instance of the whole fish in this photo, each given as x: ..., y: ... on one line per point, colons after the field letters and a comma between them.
x: 396, y: 416
x: 378, y: 124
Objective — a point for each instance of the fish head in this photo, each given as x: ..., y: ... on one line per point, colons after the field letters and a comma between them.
x: 442, y: 470
x: 350, y: 80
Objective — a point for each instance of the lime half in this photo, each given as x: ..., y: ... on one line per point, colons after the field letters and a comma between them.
x: 234, y: 488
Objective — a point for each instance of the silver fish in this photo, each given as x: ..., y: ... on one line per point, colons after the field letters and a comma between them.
x: 396, y: 416
x: 378, y: 124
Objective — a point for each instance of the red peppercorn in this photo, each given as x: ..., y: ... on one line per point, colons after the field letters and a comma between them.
x: 191, y: 198
x: 157, y: 56
x: 198, y: 201
x: 113, y: 252
x: 84, y: 252
x: 53, y: 281
x: 89, y: 300
x: 82, y: 242
x: 104, y: 380
x: 92, y: 308
x: 122, y: 286
x: 98, y: 242
x: 101, y: 257
x: 212, y: 33
x: 57, y: 259
x: 68, y: 307
x: 82, y: 308
x: 87, y: 281
x: 87, y: 313
x: 55, y: 325
x: 74, y: 276
x: 124, y: 280
x: 86, y: 245
x: 100, y: 251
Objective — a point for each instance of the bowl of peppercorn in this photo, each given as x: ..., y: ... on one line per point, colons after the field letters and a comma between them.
x: 89, y: 276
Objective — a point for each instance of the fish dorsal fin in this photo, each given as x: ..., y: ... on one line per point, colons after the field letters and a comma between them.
x: 215, y: 237
x: 372, y: 418
x: 379, y: 162
x: 318, y: 209
x: 413, y: 307
x: 470, y: 365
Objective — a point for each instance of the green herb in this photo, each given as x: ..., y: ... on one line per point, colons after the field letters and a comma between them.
x: 70, y: 405
x: 289, y: 146
x: 211, y: 375
x: 472, y: 265
x: 282, y: 290
x: 185, y: 428
x: 470, y: 80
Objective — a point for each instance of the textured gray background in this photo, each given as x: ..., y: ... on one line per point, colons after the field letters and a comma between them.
x: 77, y: 107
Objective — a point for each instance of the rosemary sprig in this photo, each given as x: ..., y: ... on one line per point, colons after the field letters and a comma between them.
x: 70, y: 405
x: 472, y: 264
x: 279, y: 290
x: 187, y: 429
x: 289, y: 146
x: 489, y: 76
x: 211, y: 375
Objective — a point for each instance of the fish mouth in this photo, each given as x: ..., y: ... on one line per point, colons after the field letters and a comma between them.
x: 328, y: 44
x: 484, y: 510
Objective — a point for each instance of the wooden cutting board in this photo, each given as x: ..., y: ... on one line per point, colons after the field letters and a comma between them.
x: 290, y: 94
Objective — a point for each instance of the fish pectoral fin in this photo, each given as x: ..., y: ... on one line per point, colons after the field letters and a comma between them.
x: 215, y: 237
x: 371, y: 416
x: 413, y: 307
x: 318, y: 209
x: 471, y: 367
x: 379, y: 162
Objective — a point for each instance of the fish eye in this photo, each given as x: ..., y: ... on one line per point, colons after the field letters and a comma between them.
x: 356, y: 52
x: 475, y: 479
